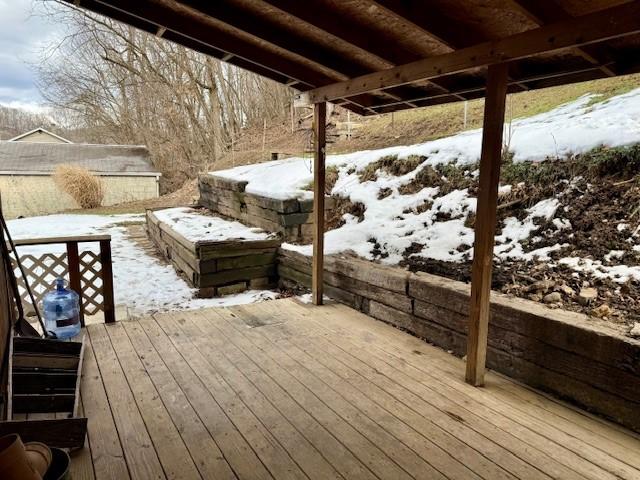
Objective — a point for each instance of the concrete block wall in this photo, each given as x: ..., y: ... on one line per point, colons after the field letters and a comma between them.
x: 565, y: 353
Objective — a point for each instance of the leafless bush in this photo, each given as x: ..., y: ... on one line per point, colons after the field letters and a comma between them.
x: 83, y: 186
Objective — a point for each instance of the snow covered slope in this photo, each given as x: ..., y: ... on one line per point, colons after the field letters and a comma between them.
x: 570, y: 129
x: 395, y: 221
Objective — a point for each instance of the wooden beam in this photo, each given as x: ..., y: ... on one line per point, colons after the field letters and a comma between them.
x: 319, y: 133
x: 604, y: 25
x: 480, y: 87
x: 360, y: 35
x: 453, y: 34
x: 549, y: 11
x: 240, y: 18
x: 485, y: 226
x: 188, y: 27
x: 437, y: 25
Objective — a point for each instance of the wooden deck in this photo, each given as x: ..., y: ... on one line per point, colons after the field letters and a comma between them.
x: 284, y: 390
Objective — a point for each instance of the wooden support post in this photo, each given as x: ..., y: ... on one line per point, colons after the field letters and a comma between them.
x: 320, y: 141
x: 485, y: 226
x: 107, y: 281
x: 73, y: 262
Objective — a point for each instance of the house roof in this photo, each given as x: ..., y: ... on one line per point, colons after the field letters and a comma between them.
x: 316, y: 43
x: 45, y: 157
x: 39, y: 130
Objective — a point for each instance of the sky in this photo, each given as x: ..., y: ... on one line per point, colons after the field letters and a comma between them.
x: 24, y: 32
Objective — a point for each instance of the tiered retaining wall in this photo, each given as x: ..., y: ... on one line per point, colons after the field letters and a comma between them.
x: 292, y: 218
x: 562, y: 352
x: 217, y: 267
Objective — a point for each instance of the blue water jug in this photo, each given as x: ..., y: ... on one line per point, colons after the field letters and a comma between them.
x: 62, y: 311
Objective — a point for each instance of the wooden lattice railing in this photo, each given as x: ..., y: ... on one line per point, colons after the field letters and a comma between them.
x: 88, y: 272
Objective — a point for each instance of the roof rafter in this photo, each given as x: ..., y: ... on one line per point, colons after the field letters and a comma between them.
x: 548, y: 11
x: 235, y: 16
x: 195, y: 34
x: 365, y: 39
x: 596, y: 27
x: 435, y: 25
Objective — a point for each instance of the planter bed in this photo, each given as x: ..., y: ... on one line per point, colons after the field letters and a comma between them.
x: 215, y: 255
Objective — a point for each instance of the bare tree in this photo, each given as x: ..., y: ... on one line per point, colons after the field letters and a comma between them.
x: 120, y: 85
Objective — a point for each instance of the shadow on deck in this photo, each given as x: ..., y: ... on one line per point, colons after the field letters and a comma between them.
x: 284, y: 390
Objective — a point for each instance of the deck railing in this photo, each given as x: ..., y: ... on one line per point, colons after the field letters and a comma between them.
x: 88, y: 272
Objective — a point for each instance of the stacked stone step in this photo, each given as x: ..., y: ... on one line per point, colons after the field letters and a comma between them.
x: 217, y: 267
x: 291, y: 218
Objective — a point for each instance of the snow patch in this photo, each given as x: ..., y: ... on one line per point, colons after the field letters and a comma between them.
x: 196, y: 226
x: 570, y: 129
x: 595, y: 268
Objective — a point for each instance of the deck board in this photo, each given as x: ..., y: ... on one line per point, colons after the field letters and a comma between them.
x: 281, y: 390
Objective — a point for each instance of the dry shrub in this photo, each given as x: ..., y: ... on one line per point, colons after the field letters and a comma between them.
x: 84, y: 187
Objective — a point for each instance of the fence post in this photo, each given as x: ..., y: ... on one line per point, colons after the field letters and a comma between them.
x: 107, y: 281
x: 73, y: 262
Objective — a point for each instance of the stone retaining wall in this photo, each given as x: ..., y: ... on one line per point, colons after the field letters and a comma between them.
x: 568, y: 354
x: 292, y: 218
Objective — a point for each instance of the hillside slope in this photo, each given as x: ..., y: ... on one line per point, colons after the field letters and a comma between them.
x: 568, y: 231
x: 407, y: 127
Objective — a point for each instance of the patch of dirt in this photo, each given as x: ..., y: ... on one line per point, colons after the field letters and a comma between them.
x: 446, y: 177
x: 392, y: 165
x: 334, y: 218
x: 600, y: 211
x: 330, y: 179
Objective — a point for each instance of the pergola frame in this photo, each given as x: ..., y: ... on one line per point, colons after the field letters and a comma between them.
x: 330, y: 52
x: 568, y: 33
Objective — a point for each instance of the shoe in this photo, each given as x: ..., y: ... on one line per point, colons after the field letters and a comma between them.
x: 23, y: 462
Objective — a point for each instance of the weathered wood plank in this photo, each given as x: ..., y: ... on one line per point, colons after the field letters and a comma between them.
x: 81, y: 467
x: 222, y: 182
x: 576, y: 450
x: 237, y: 451
x: 441, y: 426
x: 260, y: 394
x: 106, y: 450
x: 230, y: 276
x: 569, y: 331
x: 46, y: 360
x: 142, y: 459
x: 173, y: 424
x: 356, y: 287
x: 388, y: 278
x: 296, y: 379
x: 597, y: 26
x: 61, y: 433
x: 266, y: 446
x: 528, y: 447
x: 244, y: 261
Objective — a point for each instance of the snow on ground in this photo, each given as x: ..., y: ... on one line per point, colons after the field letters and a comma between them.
x: 570, y: 129
x: 141, y: 282
x: 196, y: 226
x: 438, y: 222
